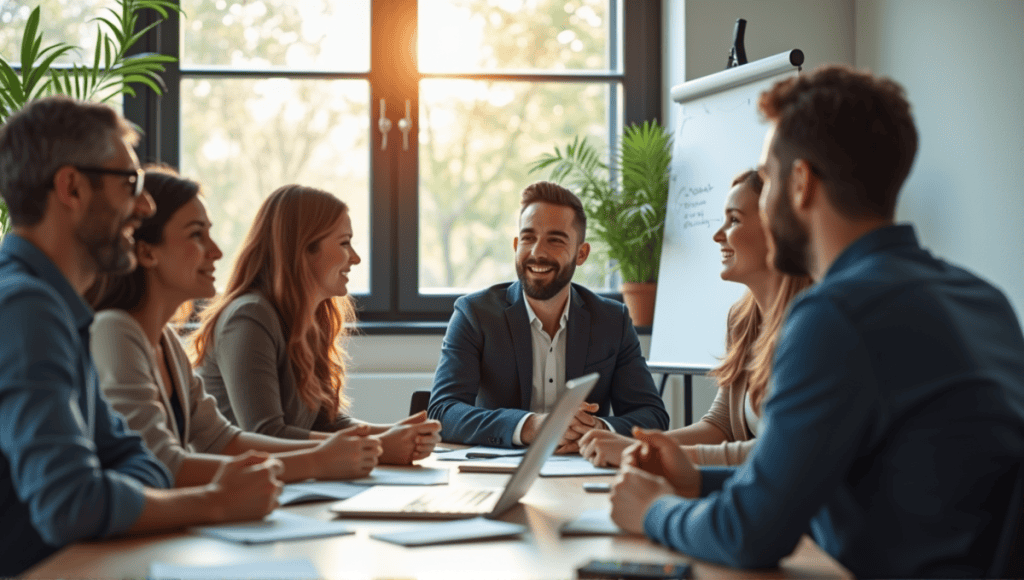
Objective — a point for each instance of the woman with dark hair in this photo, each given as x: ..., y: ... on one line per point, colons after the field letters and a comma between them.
x: 146, y: 375
x: 269, y: 348
x: 725, y: 435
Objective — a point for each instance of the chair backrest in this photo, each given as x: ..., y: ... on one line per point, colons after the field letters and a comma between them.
x: 1009, y: 557
x: 419, y: 402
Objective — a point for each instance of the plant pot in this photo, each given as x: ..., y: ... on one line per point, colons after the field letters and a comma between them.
x: 639, y: 298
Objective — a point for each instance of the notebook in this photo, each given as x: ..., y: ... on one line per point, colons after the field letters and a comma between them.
x: 450, y: 532
x: 466, y: 502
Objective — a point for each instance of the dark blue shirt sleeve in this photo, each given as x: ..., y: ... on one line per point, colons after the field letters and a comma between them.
x: 67, y: 463
x: 817, y: 415
x: 123, y: 450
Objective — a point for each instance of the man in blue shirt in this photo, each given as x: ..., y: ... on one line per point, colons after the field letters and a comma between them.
x: 69, y: 467
x: 895, y: 428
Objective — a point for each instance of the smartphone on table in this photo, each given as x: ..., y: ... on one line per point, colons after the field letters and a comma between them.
x: 609, y: 569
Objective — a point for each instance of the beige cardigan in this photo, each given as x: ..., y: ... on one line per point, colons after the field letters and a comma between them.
x: 132, y: 383
x: 727, y: 414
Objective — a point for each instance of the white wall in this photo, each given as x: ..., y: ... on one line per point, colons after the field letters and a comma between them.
x: 961, y: 65
x: 384, y: 371
x: 698, y: 36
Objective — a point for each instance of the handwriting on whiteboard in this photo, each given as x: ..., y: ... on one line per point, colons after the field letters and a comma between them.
x: 691, y: 205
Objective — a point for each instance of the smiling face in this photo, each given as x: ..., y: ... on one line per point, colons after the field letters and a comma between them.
x: 182, y: 265
x: 113, y: 212
x: 548, y: 249
x: 332, y: 258
x: 743, y: 242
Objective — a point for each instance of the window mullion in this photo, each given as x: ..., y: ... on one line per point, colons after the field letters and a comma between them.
x: 393, y: 176
x: 159, y: 115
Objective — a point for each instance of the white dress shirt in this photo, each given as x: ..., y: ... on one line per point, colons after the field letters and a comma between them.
x: 548, y: 366
x: 753, y: 421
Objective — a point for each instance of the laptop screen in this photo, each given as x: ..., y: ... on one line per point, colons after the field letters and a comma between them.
x: 547, y: 439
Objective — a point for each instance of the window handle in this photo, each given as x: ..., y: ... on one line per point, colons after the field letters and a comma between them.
x: 384, y: 125
x: 405, y: 125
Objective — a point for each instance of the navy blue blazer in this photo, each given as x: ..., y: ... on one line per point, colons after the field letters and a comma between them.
x: 484, y: 380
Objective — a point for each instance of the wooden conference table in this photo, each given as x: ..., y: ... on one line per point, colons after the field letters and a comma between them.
x: 541, y: 553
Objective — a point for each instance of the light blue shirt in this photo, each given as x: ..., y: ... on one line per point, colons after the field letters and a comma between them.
x: 894, y: 433
x: 69, y: 467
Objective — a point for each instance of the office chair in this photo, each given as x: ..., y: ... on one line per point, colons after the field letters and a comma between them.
x: 1009, y: 558
x: 419, y: 402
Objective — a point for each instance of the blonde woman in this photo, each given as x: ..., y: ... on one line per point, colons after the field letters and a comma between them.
x: 725, y: 435
x: 269, y: 348
x: 146, y: 375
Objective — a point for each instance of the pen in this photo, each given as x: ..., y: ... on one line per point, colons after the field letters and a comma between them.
x: 481, y: 455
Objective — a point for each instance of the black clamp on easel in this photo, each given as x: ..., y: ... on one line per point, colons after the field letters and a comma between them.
x: 738, y: 53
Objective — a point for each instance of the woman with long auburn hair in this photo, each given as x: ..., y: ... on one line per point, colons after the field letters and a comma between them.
x: 270, y: 347
x: 726, y: 434
x: 145, y: 372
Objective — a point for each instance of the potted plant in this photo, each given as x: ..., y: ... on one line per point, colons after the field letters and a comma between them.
x: 113, y: 72
x: 625, y: 204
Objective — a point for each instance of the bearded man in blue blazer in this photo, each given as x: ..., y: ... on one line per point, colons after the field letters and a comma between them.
x: 510, y: 349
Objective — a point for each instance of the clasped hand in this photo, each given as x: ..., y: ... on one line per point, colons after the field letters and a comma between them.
x: 350, y: 453
x: 246, y: 487
x: 604, y: 448
x: 411, y: 439
x: 583, y: 422
x: 652, y: 467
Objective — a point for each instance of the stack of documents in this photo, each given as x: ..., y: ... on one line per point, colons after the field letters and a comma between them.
x: 555, y: 466
x: 299, y: 569
x: 595, y: 522
x: 452, y: 532
x: 480, y: 452
x: 336, y: 490
x: 276, y: 527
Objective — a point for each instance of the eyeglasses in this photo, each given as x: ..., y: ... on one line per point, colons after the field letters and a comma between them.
x: 136, y: 177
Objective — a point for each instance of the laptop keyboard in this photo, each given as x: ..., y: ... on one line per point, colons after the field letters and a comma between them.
x: 449, y: 500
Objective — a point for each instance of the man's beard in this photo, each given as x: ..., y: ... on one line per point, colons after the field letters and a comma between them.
x: 540, y: 291
x: 789, y: 239
x: 103, y: 246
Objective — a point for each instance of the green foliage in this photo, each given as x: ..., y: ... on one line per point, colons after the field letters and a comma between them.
x: 112, y: 73
x: 626, y: 207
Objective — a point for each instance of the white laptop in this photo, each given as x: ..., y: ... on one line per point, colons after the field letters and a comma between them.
x: 454, y: 502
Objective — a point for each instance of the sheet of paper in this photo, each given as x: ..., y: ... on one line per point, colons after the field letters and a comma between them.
x: 318, y: 491
x: 276, y: 527
x: 595, y: 522
x: 555, y: 466
x: 572, y: 466
x: 480, y: 452
x: 449, y: 532
x: 299, y: 568
x: 411, y: 475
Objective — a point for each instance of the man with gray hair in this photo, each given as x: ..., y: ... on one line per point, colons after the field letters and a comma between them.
x: 70, y: 468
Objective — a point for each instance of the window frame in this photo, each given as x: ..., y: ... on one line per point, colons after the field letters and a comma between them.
x: 394, y: 221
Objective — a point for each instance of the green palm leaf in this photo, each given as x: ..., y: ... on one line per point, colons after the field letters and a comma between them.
x: 112, y: 72
x: 625, y: 204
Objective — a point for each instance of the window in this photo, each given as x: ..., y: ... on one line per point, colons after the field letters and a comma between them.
x: 60, y: 20
x: 270, y: 92
x: 68, y: 21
